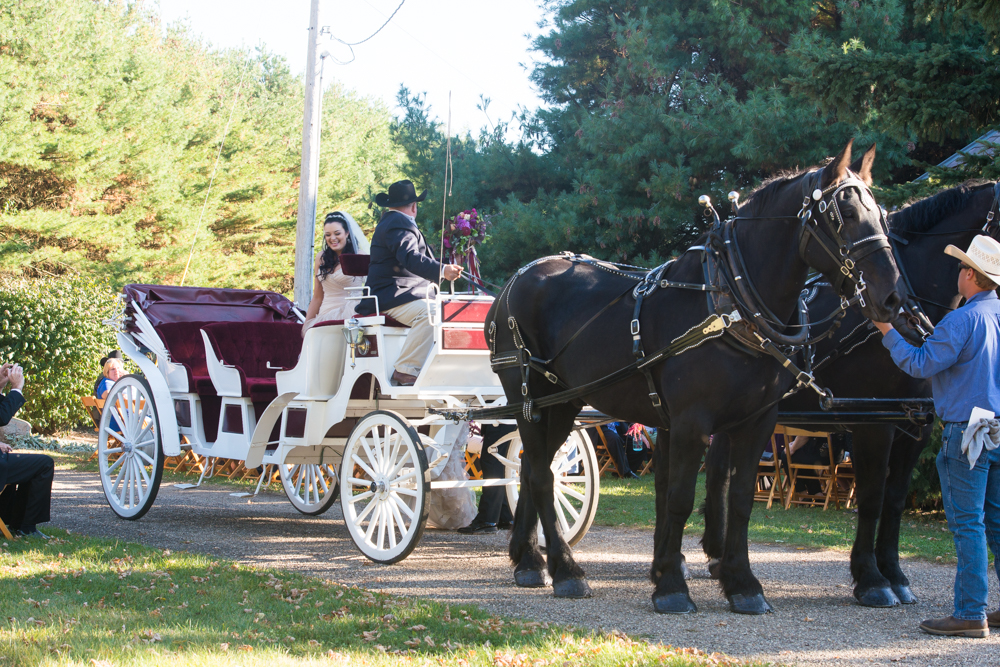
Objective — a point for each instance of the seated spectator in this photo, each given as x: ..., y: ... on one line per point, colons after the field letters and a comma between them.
x: 113, y: 354
x: 25, y: 501
x: 113, y: 371
x: 637, y: 446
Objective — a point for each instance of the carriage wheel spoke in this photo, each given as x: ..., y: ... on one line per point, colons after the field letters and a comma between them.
x: 376, y: 515
x: 371, y: 458
x: 396, y: 482
x: 360, y: 496
x: 405, y: 491
x: 400, y: 504
x: 142, y: 471
x: 126, y: 483
x: 321, y: 479
x: 569, y: 491
x: 562, y: 521
x: 391, y: 525
x: 382, y: 522
x: 377, y: 440
x: 113, y: 450
x: 145, y: 457
x: 573, y: 479
x: 569, y: 507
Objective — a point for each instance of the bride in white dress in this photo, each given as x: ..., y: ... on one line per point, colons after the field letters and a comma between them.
x: 341, y: 234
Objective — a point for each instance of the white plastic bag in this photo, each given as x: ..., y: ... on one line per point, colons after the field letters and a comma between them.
x: 453, y: 508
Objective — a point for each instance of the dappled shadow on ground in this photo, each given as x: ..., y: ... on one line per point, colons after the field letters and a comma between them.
x: 816, y: 620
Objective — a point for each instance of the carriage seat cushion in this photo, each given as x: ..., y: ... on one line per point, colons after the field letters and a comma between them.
x: 354, y: 265
x: 185, y: 346
x: 251, y: 346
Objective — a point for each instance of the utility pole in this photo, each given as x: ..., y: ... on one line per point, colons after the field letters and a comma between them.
x: 305, y: 231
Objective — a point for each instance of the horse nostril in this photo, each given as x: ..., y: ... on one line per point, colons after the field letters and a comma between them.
x: 893, y: 302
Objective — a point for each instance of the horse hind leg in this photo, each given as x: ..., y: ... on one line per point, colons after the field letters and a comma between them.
x: 529, y: 570
x: 714, y: 509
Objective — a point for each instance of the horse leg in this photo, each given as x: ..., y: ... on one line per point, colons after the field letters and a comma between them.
x: 716, y: 486
x: 541, y: 441
x: 741, y: 587
x: 676, y: 476
x: 905, y: 452
x: 871, y: 457
x: 529, y: 571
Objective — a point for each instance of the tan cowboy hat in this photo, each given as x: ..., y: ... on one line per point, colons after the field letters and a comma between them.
x: 983, y: 255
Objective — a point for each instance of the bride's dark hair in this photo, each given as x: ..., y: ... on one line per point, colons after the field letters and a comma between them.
x: 329, y: 261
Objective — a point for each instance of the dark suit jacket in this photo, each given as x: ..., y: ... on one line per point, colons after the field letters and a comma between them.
x: 402, y: 266
x: 9, y: 405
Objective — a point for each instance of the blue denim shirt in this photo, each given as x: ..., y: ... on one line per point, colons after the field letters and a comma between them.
x: 960, y: 358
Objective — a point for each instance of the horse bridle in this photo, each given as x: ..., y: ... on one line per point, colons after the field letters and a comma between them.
x: 826, y: 227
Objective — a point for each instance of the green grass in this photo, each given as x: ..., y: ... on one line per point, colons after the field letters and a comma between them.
x: 82, y: 601
x: 922, y: 535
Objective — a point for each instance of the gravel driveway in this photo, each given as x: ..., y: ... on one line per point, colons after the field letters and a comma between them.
x: 816, y: 620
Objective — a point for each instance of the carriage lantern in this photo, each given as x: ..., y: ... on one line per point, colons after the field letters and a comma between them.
x: 355, y: 335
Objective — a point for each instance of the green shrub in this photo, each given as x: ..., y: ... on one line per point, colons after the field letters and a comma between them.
x: 925, y: 486
x: 53, y: 328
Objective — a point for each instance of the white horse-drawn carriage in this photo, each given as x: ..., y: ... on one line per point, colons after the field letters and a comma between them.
x: 226, y: 373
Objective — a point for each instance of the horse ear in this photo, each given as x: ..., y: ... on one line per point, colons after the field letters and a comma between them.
x: 864, y: 166
x: 837, y: 169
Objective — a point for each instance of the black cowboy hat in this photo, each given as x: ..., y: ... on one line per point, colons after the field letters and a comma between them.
x: 400, y: 193
x: 113, y: 354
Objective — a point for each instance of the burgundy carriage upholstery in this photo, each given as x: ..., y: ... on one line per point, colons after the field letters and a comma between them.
x: 251, y: 346
x: 183, y: 342
x: 354, y: 265
x: 167, y: 303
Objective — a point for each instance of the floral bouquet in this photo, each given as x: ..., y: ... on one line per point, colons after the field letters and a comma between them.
x: 461, y: 236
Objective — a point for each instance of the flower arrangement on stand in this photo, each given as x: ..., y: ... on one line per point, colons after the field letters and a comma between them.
x: 462, y: 234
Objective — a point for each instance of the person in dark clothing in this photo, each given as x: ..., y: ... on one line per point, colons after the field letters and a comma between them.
x: 25, y: 501
x: 401, y: 271
x: 494, y: 511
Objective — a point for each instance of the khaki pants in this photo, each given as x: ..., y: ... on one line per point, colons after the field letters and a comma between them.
x: 419, y: 338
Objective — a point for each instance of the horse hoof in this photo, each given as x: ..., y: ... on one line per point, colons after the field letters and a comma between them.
x: 904, y: 594
x: 752, y: 604
x: 674, y: 603
x: 714, y: 567
x: 572, y: 588
x: 532, y: 579
x: 877, y: 597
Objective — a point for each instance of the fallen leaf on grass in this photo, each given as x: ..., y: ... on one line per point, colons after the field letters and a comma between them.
x: 246, y: 648
x: 418, y: 628
x: 313, y: 642
x: 224, y: 646
x: 369, y: 635
x: 412, y: 643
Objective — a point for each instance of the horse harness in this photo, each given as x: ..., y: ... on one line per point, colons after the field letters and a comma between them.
x: 733, y: 302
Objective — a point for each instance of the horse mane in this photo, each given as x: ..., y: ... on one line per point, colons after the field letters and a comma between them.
x: 923, y: 214
x: 761, y: 197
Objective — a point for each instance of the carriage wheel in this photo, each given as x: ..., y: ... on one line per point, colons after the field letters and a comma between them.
x: 311, y: 487
x: 130, y: 458
x: 576, y: 482
x: 383, y: 487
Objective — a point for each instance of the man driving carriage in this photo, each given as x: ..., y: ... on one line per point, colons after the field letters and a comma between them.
x: 401, y: 271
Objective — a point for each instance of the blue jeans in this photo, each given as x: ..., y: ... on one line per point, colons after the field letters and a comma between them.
x: 972, y: 505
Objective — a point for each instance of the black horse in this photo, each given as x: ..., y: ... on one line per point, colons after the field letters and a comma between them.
x: 564, y: 322
x: 854, y: 364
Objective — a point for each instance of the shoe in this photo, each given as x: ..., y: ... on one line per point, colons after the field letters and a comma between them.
x: 478, y: 527
x: 34, y: 533
x: 402, y: 379
x: 954, y: 627
x: 507, y: 525
x: 993, y: 620
x: 630, y: 475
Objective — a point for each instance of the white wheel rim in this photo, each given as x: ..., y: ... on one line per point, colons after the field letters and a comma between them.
x: 575, y: 485
x: 128, y: 459
x: 309, y: 485
x: 382, y: 487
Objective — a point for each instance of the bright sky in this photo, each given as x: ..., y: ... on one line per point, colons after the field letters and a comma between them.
x: 468, y: 47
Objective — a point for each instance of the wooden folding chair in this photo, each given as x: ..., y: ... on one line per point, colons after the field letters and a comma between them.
x: 648, y: 465
x: 604, y: 458
x: 770, y: 478
x: 844, y: 472
x: 472, y: 464
x: 822, y: 473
